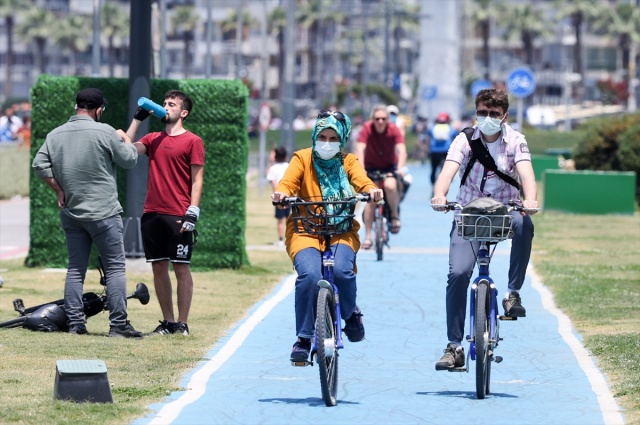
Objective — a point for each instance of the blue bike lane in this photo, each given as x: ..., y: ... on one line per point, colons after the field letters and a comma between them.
x: 389, y: 378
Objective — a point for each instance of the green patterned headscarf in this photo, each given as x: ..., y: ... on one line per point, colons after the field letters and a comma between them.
x: 331, y: 174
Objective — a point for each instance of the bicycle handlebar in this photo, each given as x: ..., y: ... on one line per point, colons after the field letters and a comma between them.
x: 291, y: 200
x: 512, y: 206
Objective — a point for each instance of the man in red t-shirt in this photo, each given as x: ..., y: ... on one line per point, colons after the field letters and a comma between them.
x: 381, y: 148
x: 176, y: 170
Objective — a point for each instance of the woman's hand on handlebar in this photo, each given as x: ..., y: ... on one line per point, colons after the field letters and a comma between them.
x: 375, y: 194
x: 277, y: 198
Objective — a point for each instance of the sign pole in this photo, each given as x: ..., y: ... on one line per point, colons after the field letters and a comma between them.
x: 264, y: 120
x: 519, y: 120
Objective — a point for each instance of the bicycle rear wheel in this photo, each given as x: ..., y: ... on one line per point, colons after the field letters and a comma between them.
x: 327, y: 346
x: 481, y: 337
x: 380, y: 230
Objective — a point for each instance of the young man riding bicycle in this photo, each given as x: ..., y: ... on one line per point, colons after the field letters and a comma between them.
x: 381, y: 148
x: 510, y: 152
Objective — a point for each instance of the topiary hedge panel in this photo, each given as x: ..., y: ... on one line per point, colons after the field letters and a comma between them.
x: 219, y: 116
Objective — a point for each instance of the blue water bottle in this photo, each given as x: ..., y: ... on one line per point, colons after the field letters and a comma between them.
x: 150, y: 105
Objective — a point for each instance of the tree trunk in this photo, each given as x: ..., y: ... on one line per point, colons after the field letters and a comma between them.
x: 484, y: 29
x: 40, y: 45
x: 8, y: 84
x: 576, y: 20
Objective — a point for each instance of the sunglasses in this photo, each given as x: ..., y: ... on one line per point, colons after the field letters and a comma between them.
x: 380, y: 119
x: 492, y: 114
x: 336, y: 114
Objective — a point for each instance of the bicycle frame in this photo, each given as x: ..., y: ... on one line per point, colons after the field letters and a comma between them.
x: 328, y: 261
x: 483, y: 259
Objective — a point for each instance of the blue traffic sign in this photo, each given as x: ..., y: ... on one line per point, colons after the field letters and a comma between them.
x: 478, y: 85
x: 429, y: 92
x: 521, y: 82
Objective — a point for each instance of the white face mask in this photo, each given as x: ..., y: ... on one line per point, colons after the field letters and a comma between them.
x: 327, y: 150
x: 489, y: 126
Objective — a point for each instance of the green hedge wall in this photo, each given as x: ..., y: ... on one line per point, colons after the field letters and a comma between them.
x: 219, y: 117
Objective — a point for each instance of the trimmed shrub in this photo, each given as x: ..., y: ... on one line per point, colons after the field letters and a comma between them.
x: 629, y: 154
x: 219, y: 117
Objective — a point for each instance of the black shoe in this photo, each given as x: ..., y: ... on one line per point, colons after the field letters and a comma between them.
x: 78, y: 329
x: 182, y: 329
x: 353, y: 327
x: 124, y: 331
x: 513, y: 306
x: 164, y: 328
x: 300, y: 350
x: 453, y: 357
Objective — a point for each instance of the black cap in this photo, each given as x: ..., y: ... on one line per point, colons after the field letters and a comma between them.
x: 90, y: 98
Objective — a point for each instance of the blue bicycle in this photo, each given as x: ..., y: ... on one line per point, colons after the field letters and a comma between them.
x: 325, y: 219
x: 484, y: 325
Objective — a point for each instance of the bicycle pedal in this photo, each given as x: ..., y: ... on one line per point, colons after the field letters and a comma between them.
x: 504, y: 317
x: 458, y: 369
x: 497, y: 359
x: 302, y: 364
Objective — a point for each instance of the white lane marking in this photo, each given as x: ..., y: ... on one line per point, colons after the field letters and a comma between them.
x: 610, y: 410
x: 197, y: 385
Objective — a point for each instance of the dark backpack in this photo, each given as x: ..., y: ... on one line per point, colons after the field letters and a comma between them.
x: 480, y: 153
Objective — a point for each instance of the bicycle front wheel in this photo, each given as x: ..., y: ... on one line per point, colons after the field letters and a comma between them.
x: 481, y: 337
x: 379, y: 229
x: 327, y: 346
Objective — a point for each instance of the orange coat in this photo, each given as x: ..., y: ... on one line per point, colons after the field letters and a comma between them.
x: 301, y: 180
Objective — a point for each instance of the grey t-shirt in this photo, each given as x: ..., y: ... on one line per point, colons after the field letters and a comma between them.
x: 82, y: 155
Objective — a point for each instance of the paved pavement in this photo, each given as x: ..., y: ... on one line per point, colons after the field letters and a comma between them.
x: 14, y: 228
x: 389, y: 378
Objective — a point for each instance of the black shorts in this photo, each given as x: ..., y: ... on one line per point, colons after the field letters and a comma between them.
x: 282, y: 212
x: 162, y: 239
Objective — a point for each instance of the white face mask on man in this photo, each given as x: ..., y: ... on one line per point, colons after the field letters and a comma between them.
x: 489, y: 126
x: 327, y: 150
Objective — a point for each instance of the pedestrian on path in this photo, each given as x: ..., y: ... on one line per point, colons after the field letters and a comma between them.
x: 78, y: 161
x: 510, y: 152
x: 171, y: 209
x: 274, y: 175
x: 324, y: 172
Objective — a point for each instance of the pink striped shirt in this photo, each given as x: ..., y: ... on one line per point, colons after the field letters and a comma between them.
x: 512, y: 148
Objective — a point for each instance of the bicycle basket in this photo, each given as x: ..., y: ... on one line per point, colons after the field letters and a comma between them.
x: 485, y: 219
x: 322, y: 217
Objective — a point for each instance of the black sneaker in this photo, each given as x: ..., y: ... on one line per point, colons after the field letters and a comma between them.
x: 513, y: 305
x: 124, y: 331
x: 353, y: 327
x: 453, y: 357
x: 182, y: 329
x: 300, y: 350
x: 78, y: 329
x: 164, y: 328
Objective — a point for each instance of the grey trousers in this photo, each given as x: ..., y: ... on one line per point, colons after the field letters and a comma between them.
x: 462, y: 261
x: 108, y: 238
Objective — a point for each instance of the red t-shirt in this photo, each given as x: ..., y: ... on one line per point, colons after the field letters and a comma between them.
x: 170, y: 161
x: 380, y: 152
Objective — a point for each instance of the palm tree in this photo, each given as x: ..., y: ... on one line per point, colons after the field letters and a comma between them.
x: 9, y: 9
x: 184, y: 21
x: 114, y: 23
x: 481, y: 12
x: 578, y: 11
x: 276, y: 23
x: 407, y: 20
x: 37, y: 27
x: 527, y: 23
x: 70, y: 34
x: 621, y: 21
x: 229, y: 24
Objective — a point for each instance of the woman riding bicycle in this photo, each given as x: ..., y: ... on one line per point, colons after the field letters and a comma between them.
x: 323, y: 172
x: 510, y: 152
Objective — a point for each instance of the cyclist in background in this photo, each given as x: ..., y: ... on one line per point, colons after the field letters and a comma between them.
x: 510, y: 152
x: 323, y: 172
x: 441, y: 134
x: 381, y: 148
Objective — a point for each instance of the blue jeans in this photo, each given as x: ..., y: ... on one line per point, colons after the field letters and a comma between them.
x: 107, y: 236
x: 308, y: 264
x: 462, y: 261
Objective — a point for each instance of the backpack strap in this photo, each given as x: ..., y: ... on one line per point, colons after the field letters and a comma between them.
x: 480, y: 153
